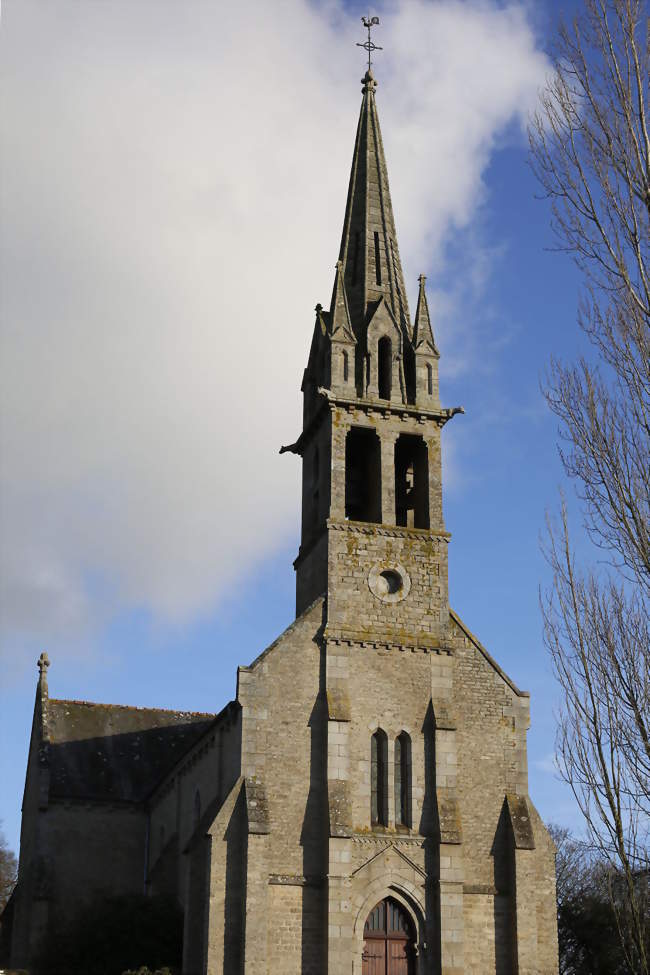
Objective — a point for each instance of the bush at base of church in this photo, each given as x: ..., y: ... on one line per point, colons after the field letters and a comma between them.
x: 147, y: 971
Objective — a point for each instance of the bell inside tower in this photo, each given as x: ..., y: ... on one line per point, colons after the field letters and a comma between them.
x: 411, y: 482
x: 362, y: 475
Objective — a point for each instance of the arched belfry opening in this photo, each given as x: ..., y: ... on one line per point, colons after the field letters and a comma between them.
x: 384, y: 367
x: 388, y: 940
x: 411, y: 482
x: 363, y: 475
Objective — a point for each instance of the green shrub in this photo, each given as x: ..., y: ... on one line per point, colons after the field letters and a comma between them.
x: 147, y: 971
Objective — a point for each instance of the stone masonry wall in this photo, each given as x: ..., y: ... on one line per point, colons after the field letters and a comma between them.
x: 330, y: 436
x: 25, y: 920
x: 207, y: 771
x: 354, y: 612
x: 283, y: 750
x: 91, y: 850
x: 469, y: 898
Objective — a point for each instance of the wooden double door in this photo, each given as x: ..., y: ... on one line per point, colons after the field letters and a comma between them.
x: 388, y: 941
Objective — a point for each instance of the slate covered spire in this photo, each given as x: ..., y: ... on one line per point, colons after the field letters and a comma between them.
x: 369, y: 251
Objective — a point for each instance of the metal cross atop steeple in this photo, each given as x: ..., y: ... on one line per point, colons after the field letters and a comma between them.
x: 369, y: 22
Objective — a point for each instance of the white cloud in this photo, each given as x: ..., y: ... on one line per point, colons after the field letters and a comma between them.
x: 173, y: 193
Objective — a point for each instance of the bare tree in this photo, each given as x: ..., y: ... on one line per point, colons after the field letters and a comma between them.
x: 598, y: 636
x: 8, y: 872
x: 588, y: 935
x: 590, y: 150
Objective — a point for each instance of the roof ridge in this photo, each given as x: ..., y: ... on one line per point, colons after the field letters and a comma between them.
x: 133, y: 707
x: 488, y: 656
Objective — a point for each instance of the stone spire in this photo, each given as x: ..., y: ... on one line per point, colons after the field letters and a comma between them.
x: 422, y: 330
x: 369, y: 252
x: 339, y: 309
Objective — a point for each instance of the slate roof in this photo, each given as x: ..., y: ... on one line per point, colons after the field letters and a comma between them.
x: 115, y: 753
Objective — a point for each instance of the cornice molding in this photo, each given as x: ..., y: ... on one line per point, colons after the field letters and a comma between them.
x: 389, y: 531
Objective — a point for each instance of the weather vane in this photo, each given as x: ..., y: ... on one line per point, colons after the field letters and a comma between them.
x: 369, y: 22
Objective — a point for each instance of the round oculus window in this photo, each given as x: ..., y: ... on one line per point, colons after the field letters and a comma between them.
x: 389, y: 583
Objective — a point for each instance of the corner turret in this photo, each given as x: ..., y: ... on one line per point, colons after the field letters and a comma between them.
x: 425, y: 352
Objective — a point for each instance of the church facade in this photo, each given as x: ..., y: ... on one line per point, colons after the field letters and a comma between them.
x: 362, y: 807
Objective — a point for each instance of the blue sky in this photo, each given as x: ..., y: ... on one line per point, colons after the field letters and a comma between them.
x: 137, y: 602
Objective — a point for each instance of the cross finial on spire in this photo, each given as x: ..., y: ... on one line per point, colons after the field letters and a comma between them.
x: 369, y: 22
x: 43, y: 664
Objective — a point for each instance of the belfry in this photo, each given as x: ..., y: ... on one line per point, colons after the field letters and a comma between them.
x: 362, y: 805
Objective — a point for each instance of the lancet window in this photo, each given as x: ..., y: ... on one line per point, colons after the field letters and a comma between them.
x: 379, y: 779
x: 384, y: 367
x: 403, y: 780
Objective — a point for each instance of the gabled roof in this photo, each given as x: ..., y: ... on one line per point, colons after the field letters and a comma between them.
x: 115, y: 753
x: 375, y: 312
x: 473, y: 639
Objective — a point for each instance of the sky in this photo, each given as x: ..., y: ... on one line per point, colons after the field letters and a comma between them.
x: 173, y: 191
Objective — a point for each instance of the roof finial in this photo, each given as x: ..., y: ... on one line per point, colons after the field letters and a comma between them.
x: 369, y: 22
x: 43, y: 664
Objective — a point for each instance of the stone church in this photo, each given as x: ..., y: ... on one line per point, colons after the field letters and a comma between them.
x: 361, y: 807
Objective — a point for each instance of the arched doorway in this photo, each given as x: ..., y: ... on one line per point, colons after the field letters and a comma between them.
x: 388, y: 941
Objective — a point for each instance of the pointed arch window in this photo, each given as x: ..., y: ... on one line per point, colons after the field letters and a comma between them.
x: 429, y: 379
x: 379, y: 779
x: 384, y: 367
x: 346, y: 367
x: 403, y: 780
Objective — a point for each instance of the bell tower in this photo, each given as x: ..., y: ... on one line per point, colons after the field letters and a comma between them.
x: 373, y: 536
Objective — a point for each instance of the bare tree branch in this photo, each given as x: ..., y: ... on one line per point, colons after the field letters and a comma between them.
x: 591, y: 154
